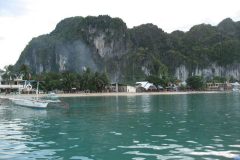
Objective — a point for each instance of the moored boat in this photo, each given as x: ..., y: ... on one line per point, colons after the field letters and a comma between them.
x: 51, y: 97
x: 33, y: 103
x: 36, y: 102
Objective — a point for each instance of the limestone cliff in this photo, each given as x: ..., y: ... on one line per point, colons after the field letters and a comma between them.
x: 229, y: 71
x: 106, y: 44
x: 77, y: 43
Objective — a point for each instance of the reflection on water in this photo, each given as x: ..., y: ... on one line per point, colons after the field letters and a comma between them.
x: 204, y: 126
x: 15, y: 123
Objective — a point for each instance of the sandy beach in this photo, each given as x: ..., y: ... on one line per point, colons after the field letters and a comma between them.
x: 134, y: 94
x: 3, y: 96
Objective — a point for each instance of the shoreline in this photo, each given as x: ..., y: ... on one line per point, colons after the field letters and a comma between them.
x: 135, y: 94
x: 108, y: 94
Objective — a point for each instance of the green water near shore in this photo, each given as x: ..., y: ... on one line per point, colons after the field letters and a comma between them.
x: 200, y: 126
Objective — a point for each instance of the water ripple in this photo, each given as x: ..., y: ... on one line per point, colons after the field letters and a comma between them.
x: 158, y: 156
x: 225, y: 154
x: 148, y: 146
x: 116, y: 133
x: 81, y: 158
x: 161, y: 136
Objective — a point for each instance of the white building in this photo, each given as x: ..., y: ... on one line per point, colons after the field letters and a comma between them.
x: 122, y: 88
x: 17, y: 84
x: 128, y: 88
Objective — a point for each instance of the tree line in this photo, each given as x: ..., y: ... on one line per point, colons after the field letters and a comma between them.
x: 192, y: 83
x: 87, y: 81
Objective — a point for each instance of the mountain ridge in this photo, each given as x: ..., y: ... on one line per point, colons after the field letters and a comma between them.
x: 105, y: 44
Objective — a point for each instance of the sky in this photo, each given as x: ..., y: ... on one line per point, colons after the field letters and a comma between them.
x: 21, y: 20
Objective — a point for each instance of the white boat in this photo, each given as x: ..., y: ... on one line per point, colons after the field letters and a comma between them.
x: 51, y: 97
x: 36, y: 102
x: 33, y: 103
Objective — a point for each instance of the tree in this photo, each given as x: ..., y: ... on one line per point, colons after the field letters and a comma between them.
x: 100, y: 81
x: 51, y: 81
x: 154, y: 79
x: 68, y: 81
x: 9, y: 73
x: 195, y: 82
x: 87, y: 76
x: 164, y: 81
x: 217, y: 79
x: 25, y: 71
x: 79, y: 82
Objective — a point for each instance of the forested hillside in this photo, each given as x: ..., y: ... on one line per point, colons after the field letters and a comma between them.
x: 105, y: 44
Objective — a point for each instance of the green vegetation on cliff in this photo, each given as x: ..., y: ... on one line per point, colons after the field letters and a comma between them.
x: 105, y: 44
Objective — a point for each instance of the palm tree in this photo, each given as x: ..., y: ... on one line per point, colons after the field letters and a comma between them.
x: 69, y: 81
x: 9, y: 74
x: 87, y: 76
x: 25, y: 71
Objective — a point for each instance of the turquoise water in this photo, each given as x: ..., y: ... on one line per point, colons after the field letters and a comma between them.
x: 200, y: 126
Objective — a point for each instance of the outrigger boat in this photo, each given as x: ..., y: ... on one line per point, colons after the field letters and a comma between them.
x: 35, y: 102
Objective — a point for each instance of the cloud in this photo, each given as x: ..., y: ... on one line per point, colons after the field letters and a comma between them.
x: 12, y: 7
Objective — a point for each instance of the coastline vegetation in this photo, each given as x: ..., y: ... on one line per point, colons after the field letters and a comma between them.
x: 89, y: 81
x: 67, y: 81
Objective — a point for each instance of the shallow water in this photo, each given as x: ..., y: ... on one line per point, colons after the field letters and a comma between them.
x: 200, y: 126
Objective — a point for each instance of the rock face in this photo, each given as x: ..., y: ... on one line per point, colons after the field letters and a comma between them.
x: 75, y: 44
x: 105, y: 44
x: 230, y: 71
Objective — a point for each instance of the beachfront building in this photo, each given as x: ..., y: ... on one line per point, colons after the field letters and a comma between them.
x: 145, y: 86
x: 218, y: 86
x: 127, y: 88
x: 16, y: 84
x: 172, y: 87
x: 117, y: 87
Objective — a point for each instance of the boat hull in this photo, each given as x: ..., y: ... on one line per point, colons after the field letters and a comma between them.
x: 30, y: 103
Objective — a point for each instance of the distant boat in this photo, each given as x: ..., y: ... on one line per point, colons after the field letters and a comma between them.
x: 51, y: 97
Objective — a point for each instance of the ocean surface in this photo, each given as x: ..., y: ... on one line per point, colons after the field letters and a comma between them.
x: 197, y: 126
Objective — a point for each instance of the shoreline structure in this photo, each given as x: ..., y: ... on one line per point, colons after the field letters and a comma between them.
x: 107, y: 94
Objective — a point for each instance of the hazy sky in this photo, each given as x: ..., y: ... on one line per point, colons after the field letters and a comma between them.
x: 21, y: 20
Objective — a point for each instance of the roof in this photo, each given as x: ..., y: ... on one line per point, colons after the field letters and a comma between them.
x: 146, y: 85
x: 235, y: 84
